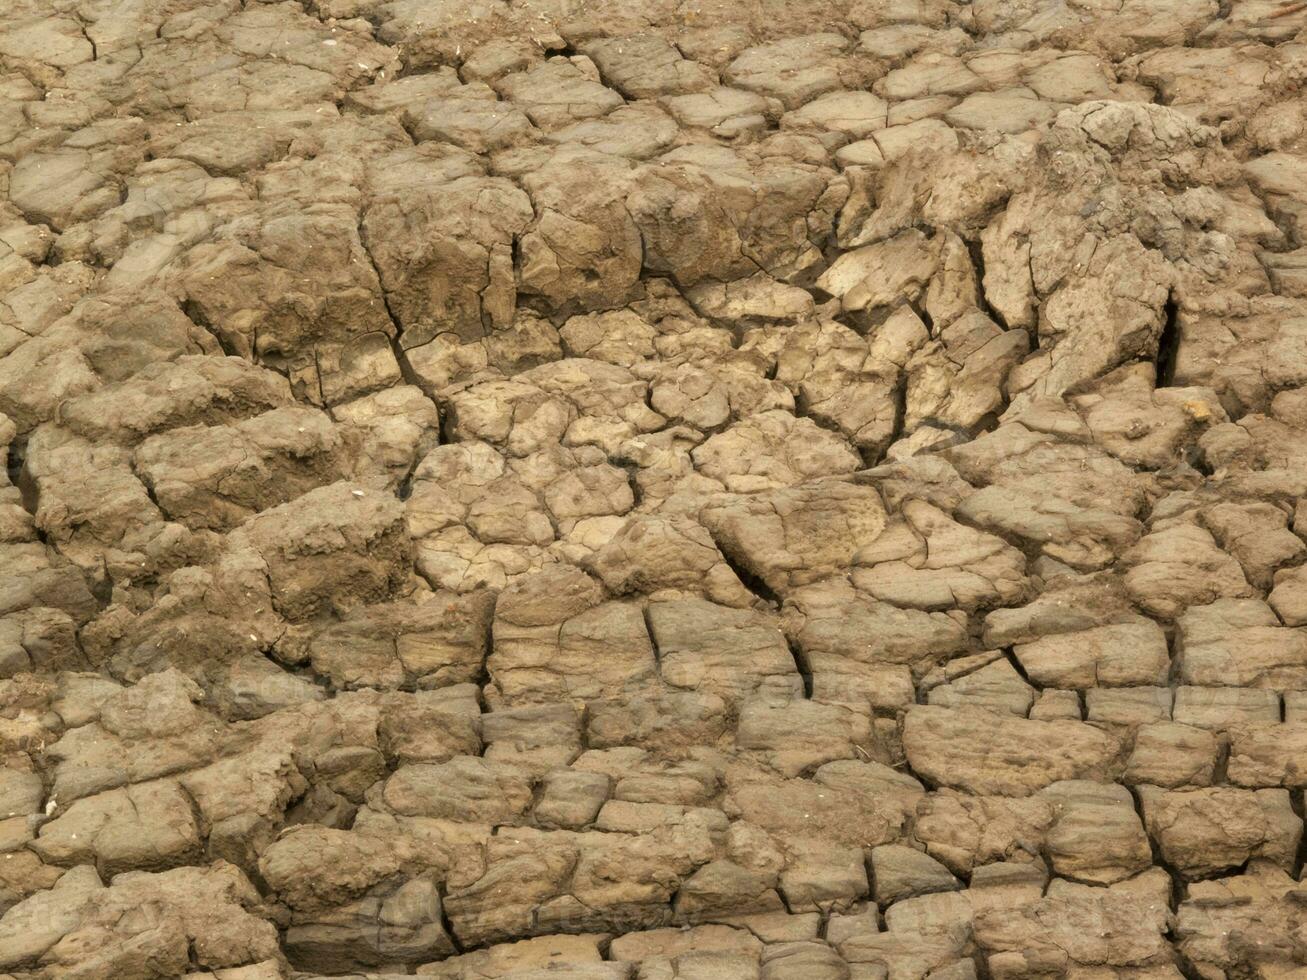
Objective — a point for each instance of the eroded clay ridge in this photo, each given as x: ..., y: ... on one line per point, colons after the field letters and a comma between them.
x: 648, y: 489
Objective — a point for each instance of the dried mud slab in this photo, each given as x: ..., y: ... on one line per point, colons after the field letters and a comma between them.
x: 524, y: 489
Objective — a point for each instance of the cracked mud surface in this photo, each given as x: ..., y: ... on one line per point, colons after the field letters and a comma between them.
x: 648, y: 489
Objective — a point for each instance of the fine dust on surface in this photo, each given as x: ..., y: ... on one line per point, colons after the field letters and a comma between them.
x: 653, y: 489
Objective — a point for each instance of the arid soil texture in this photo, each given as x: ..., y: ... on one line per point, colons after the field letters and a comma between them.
x: 653, y: 489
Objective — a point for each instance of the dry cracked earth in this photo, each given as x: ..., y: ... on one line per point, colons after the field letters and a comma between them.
x: 648, y: 489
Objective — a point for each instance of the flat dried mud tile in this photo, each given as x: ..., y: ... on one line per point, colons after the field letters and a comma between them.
x: 981, y: 752
x: 793, y: 536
